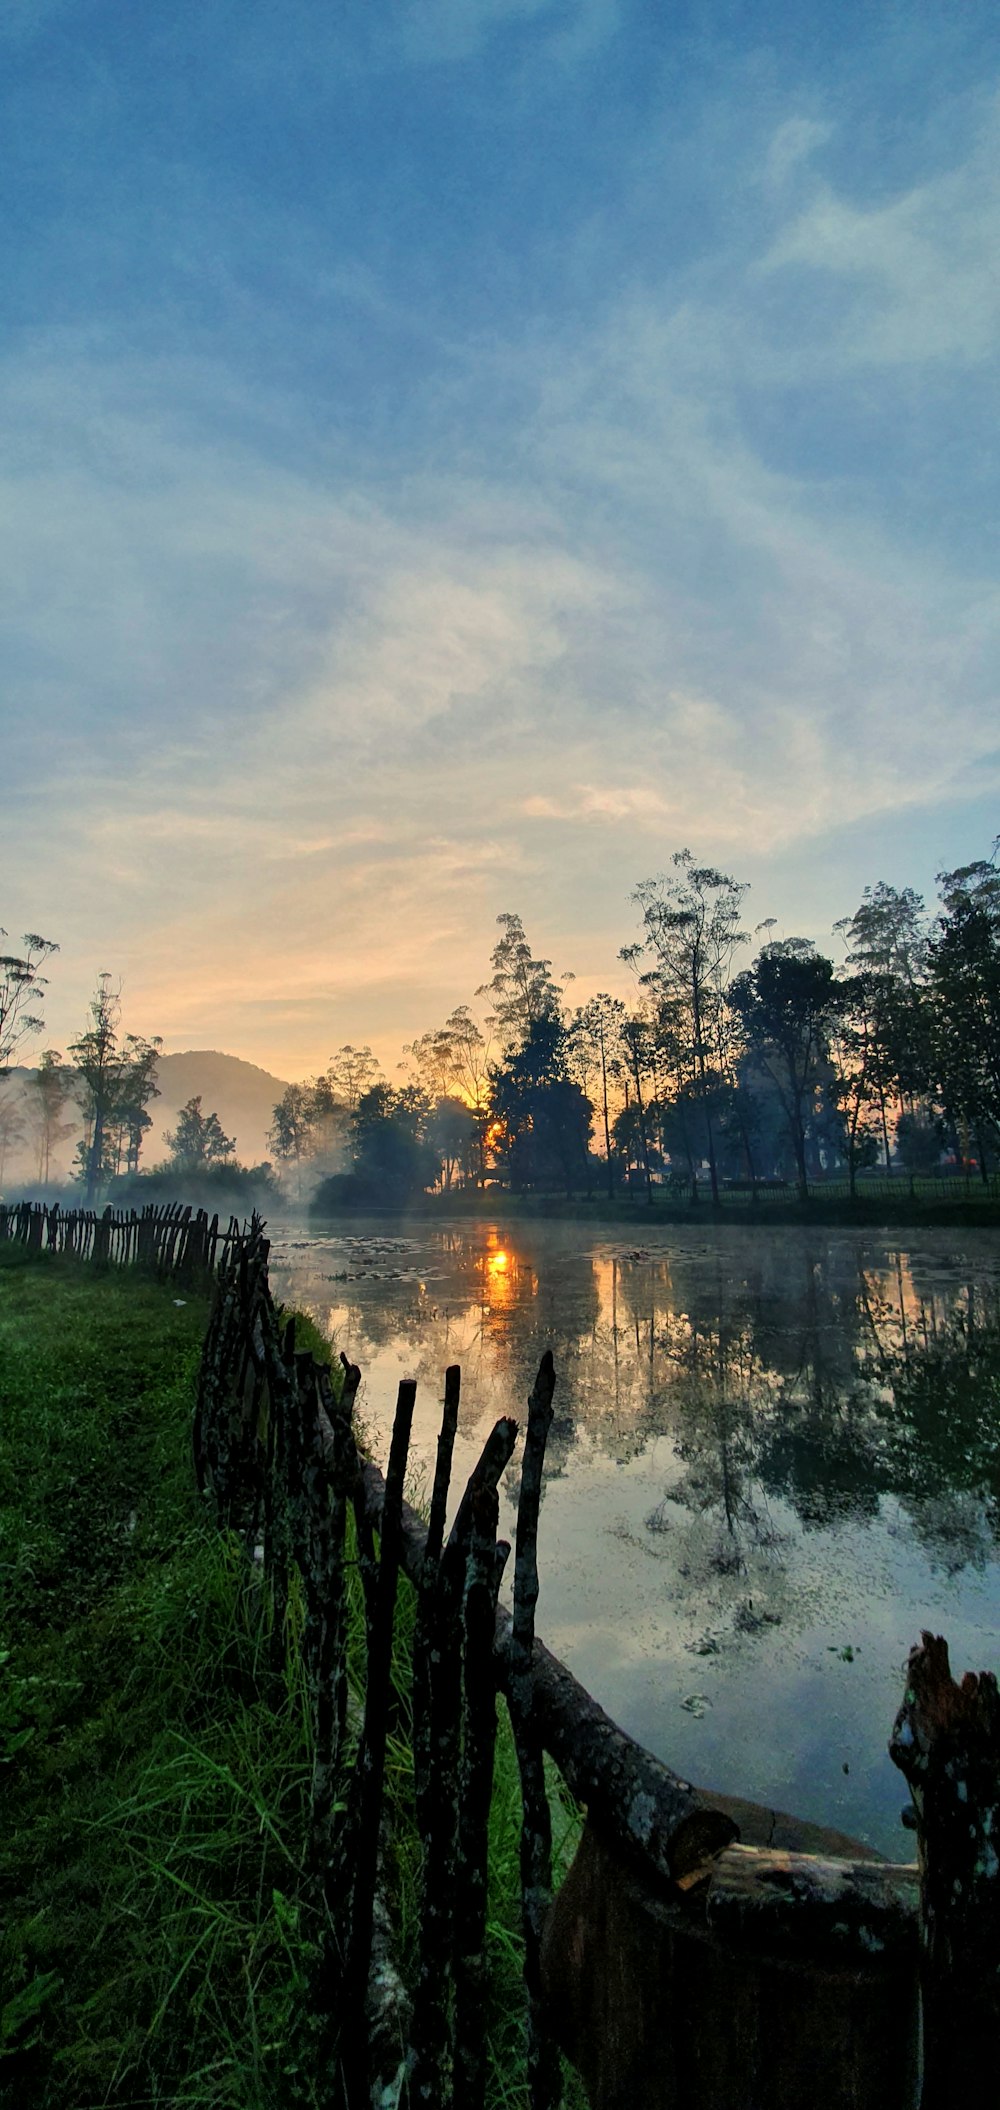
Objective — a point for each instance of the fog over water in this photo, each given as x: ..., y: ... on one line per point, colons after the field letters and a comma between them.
x: 775, y: 1458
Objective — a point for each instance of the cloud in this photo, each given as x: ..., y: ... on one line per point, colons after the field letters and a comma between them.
x: 922, y: 268
x: 796, y: 140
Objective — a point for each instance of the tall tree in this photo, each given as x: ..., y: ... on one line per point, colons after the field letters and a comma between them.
x: 453, y: 1061
x: 887, y: 951
x: 112, y: 1070
x: 350, y: 1073
x: 521, y: 988
x: 292, y: 1134
x: 691, y: 932
x: 541, y: 1118
x: 787, y: 1004
x: 594, y: 1043
x: 21, y: 986
x: 50, y: 1088
x: 965, y: 981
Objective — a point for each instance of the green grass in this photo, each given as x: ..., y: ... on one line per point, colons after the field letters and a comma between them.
x: 158, y: 1946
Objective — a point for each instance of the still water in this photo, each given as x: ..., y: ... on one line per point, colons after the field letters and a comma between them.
x: 775, y: 1458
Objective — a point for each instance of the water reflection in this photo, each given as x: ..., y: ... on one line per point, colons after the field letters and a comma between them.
x: 776, y: 1453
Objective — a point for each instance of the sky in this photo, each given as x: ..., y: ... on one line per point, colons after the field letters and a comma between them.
x: 455, y: 453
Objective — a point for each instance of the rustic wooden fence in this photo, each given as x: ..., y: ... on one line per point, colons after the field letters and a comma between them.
x: 167, y: 1240
x: 678, y: 1967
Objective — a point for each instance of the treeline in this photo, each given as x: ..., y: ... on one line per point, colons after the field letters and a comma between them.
x: 717, y: 1074
x: 104, y: 1086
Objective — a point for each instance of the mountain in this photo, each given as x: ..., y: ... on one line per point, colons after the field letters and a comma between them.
x: 243, y: 1096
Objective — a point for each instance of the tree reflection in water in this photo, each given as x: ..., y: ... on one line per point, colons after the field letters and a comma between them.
x: 776, y: 1451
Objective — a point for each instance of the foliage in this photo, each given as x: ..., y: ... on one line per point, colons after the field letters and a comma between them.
x: 541, y: 1117
x: 521, y: 989
x: 21, y: 985
x: 786, y: 1004
x: 197, y: 1143
x: 691, y: 931
x: 116, y: 1078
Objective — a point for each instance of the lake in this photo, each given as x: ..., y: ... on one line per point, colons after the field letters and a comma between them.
x: 775, y: 1459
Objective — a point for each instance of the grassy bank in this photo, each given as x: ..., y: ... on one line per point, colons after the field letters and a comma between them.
x: 888, y: 1206
x: 157, y: 1945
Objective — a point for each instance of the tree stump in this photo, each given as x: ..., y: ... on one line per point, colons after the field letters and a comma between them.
x: 946, y: 1741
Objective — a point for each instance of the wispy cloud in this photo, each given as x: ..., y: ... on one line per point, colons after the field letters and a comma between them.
x: 312, y: 678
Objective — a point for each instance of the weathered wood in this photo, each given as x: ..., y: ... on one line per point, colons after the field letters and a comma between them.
x: 946, y: 1742
x: 656, y: 2005
x: 479, y: 1744
x: 536, y: 1824
x: 647, y: 1807
x: 431, y: 2024
x: 370, y: 1771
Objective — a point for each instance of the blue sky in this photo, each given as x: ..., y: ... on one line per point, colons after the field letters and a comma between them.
x: 454, y: 455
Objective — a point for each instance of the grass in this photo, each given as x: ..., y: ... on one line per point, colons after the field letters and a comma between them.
x: 157, y: 1946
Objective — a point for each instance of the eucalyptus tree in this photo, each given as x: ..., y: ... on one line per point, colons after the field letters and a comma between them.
x: 21, y: 986
x: 888, y: 956
x: 594, y: 1038
x: 691, y: 934
x: 115, y: 1077
x: 292, y: 1134
x: 350, y: 1073
x: 522, y: 990
x: 452, y: 1062
x: 49, y: 1090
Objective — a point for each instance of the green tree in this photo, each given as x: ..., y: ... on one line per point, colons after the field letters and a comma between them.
x: 115, y: 1075
x: 887, y: 951
x: 691, y: 932
x: 197, y: 1142
x: 541, y: 1117
x: 393, y: 1159
x: 965, y: 984
x: 787, y: 1005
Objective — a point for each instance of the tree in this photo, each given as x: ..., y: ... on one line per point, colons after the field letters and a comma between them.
x: 691, y: 925
x: 350, y: 1073
x: 887, y: 948
x: 393, y: 1159
x: 292, y: 1134
x: 115, y: 1077
x: 541, y: 1118
x: 21, y: 985
x: 452, y: 1062
x: 594, y: 1039
x: 50, y: 1088
x: 11, y: 1132
x: 522, y: 990
x: 965, y: 985
x: 787, y: 1003
x: 197, y: 1142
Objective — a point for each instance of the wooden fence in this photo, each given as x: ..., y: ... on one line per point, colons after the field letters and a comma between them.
x: 167, y: 1240
x: 678, y: 1967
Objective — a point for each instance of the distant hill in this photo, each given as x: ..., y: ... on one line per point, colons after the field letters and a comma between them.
x: 243, y: 1096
